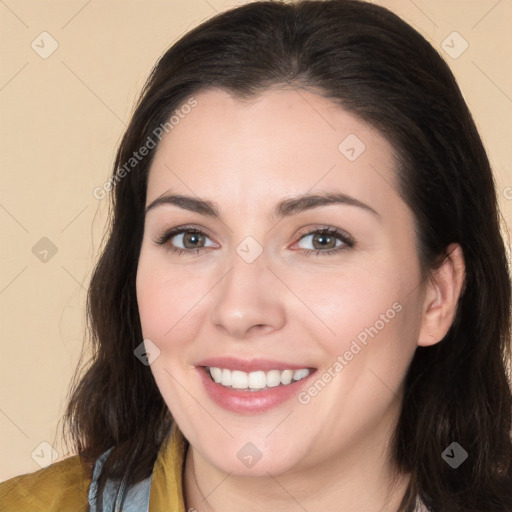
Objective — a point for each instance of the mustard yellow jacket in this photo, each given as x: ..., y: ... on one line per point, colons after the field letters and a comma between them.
x: 64, y: 485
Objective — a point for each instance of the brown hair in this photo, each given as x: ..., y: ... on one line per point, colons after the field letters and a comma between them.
x: 375, y: 65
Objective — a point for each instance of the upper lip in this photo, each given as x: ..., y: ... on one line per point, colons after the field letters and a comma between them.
x: 250, y: 365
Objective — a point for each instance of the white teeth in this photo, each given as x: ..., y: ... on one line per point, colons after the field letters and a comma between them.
x: 273, y: 378
x: 256, y: 380
x: 286, y: 377
x: 239, y: 380
x: 216, y: 373
x: 300, y: 374
x: 226, y: 378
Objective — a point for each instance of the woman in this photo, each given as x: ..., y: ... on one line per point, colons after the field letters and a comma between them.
x: 303, y: 302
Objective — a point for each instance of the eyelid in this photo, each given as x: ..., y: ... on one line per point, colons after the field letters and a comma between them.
x: 321, y: 228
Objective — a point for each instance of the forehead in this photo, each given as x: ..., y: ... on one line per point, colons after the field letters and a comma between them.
x: 279, y: 143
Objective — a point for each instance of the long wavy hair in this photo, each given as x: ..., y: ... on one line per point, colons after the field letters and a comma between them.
x: 373, y: 64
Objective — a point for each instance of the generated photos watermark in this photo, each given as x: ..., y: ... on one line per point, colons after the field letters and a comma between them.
x: 357, y: 345
x: 151, y: 143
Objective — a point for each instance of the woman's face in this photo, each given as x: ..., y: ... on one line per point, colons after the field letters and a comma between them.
x: 281, y: 287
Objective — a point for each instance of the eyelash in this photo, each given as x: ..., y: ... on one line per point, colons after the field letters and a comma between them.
x: 347, y: 241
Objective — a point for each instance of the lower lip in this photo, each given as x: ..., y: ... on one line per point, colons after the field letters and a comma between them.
x: 249, y: 402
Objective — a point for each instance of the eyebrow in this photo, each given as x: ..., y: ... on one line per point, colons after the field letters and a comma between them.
x: 284, y: 208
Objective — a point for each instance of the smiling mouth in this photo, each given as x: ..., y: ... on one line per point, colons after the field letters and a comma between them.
x: 256, y: 381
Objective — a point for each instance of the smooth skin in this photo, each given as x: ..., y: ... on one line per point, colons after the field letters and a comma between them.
x: 293, y: 303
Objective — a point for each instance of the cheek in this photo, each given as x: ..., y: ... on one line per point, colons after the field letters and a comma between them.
x: 368, y: 311
x: 151, y: 301
x: 167, y: 299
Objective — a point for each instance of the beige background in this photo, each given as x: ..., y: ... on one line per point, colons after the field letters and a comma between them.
x: 62, y: 118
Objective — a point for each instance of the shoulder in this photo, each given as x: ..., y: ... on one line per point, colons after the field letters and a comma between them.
x: 62, y: 487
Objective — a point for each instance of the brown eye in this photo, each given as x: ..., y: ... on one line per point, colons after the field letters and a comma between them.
x: 184, y: 240
x: 195, y: 239
x: 326, y: 241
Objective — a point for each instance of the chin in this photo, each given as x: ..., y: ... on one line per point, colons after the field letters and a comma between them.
x: 268, y: 464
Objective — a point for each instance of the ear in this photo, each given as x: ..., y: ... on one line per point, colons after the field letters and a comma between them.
x: 442, y: 293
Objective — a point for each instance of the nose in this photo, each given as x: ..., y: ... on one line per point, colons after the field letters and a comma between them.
x: 249, y: 300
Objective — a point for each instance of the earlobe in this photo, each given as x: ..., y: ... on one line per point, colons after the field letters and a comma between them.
x: 442, y: 293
